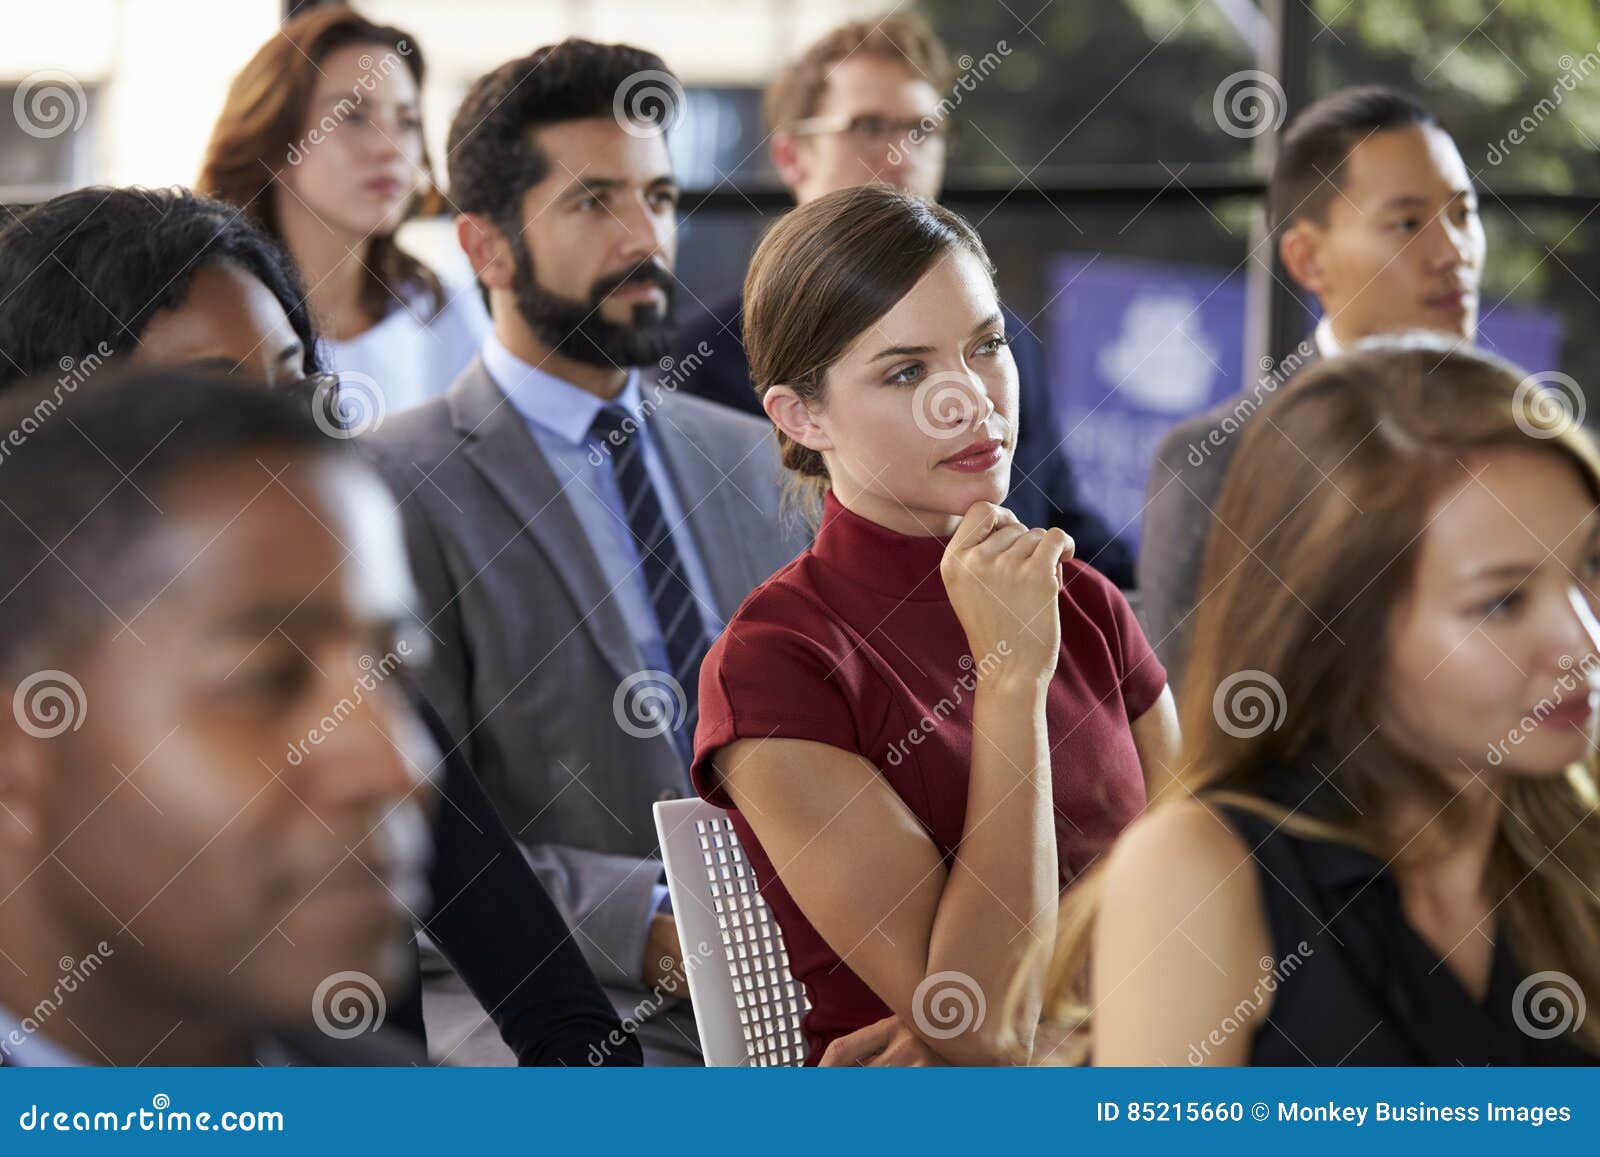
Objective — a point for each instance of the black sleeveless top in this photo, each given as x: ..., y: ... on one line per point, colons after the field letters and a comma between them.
x: 1353, y: 983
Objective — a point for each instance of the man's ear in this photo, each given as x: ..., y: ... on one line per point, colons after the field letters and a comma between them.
x: 487, y: 248
x: 1300, y: 247
x: 794, y: 418
x: 788, y: 158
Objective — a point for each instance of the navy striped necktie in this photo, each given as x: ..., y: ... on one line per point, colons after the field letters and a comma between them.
x: 677, y: 615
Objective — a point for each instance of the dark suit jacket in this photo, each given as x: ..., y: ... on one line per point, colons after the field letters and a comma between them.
x: 1043, y: 490
x: 500, y: 930
x: 1185, y: 480
x: 386, y: 1048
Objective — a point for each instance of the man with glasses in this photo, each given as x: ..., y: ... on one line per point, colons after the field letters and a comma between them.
x: 868, y: 103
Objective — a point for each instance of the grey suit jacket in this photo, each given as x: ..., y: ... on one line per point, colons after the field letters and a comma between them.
x: 1185, y: 481
x: 530, y: 647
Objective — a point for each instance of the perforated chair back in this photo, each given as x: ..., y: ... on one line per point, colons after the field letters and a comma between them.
x: 746, y: 1003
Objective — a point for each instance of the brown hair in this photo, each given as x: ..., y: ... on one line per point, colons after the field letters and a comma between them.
x: 822, y: 275
x: 1324, y: 506
x: 264, y: 116
x: 796, y: 91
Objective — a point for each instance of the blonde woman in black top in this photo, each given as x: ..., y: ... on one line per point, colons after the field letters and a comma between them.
x: 1392, y: 851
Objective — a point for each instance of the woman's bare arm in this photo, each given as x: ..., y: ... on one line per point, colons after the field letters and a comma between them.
x: 941, y: 944
x: 1176, y: 977
x: 867, y: 876
x: 1156, y: 736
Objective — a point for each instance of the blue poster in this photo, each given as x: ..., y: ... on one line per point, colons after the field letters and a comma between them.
x: 1136, y: 346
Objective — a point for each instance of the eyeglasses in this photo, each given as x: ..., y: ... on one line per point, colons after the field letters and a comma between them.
x: 873, y: 129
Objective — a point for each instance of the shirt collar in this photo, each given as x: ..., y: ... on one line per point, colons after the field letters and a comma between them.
x: 36, y: 1051
x: 565, y: 410
x: 1327, y: 344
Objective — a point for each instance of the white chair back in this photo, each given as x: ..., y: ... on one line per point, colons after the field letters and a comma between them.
x: 746, y: 1003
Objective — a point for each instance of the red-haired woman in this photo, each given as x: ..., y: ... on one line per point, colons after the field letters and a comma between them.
x: 320, y: 143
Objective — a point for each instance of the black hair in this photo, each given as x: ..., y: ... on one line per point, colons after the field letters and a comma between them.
x: 82, y: 473
x: 82, y: 274
x: 1311, y: 158
x: 493, y: 159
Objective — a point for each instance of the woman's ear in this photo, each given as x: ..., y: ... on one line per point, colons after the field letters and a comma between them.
x: 487, y: 249
x: 791, y: 415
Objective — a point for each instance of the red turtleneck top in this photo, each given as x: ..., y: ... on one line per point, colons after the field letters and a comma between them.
x: 855, y: 644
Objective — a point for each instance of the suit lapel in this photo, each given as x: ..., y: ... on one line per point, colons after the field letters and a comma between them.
x: 500, y: 447
x: 705, y: 495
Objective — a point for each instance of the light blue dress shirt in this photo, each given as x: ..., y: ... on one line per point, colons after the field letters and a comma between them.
x: 558, y: 415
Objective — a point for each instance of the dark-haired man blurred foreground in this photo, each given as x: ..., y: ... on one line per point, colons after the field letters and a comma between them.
x: 180, y: 606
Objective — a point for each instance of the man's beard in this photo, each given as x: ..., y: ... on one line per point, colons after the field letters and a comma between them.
x: 575, y: 329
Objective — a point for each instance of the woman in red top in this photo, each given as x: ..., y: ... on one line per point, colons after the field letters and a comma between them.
x: 931, y: 721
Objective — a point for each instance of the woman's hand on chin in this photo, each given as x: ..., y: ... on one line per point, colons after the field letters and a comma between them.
x: 1004, y: 582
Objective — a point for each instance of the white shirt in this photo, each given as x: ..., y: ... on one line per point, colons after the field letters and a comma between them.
x: 31, y: 1049
x: 1327, y: 345
x: 410, y: 356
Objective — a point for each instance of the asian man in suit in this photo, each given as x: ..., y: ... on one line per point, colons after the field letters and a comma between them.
x: 1374, y: 214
